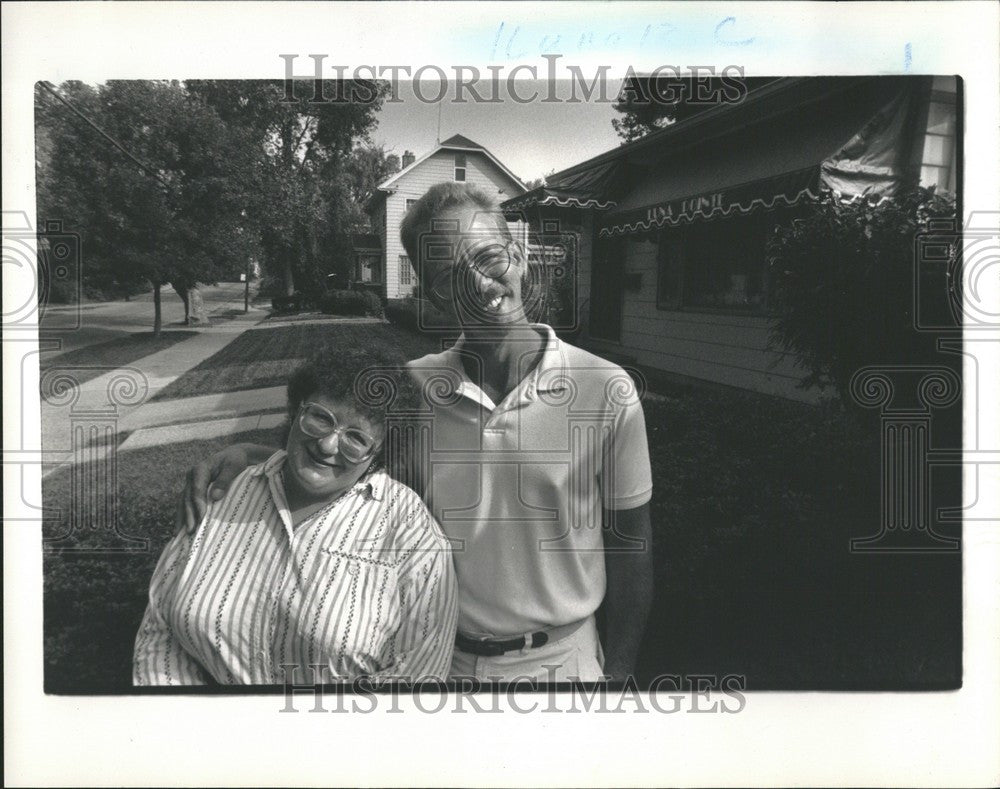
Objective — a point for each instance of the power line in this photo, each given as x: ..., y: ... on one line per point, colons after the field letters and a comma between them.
x: 142, y: 165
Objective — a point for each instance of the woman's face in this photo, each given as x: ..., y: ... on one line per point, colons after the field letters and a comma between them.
x: 324, y: 466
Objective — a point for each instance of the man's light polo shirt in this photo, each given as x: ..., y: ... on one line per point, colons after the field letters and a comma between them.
x: 519, y: 487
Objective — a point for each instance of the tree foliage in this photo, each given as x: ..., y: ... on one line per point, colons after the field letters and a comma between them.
x: 841, y: 283
x: 648, y: 103
x: 312, y: 158
x: 175, y: 216
x: 228, y: 171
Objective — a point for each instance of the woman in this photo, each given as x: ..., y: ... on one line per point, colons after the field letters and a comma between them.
x: 316, y: 566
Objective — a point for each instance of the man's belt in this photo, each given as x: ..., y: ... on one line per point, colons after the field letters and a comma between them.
x: 494, y: 647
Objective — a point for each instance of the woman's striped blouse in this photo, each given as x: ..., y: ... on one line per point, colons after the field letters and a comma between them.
x: 363, y: 588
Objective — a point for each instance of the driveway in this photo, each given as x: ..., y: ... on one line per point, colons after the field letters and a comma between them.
x: 66, y: 328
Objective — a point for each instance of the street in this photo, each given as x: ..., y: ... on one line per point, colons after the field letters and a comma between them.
x: 78, y: 326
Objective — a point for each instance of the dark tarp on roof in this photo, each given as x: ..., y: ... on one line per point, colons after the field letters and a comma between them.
x: 588, y: 189
x: 774, y: 164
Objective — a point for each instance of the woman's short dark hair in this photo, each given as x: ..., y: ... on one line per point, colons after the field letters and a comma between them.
x: 374, y: 381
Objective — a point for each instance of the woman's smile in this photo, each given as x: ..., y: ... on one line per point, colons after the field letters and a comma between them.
x: 327, y: 461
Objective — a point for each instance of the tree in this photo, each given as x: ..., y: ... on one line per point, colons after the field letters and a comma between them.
x: 72, y: 164
x: 171, y: 212
x: 300, y: 146
x: 365, y: 168
x: 648, y: 104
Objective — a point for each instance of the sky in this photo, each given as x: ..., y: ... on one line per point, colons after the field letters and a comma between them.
x: 531, y: 139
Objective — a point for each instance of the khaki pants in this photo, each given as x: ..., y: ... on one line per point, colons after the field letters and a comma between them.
x: 577, y: 657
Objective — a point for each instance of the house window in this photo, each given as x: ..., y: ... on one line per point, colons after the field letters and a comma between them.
x: 713, y: 265
x: 368, y: 268
x: 405, y: 271
x: 459, y: 166
x: 937, y: 163
x: 410, y: 202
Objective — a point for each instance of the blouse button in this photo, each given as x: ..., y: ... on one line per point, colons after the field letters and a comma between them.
x: 352, y: 567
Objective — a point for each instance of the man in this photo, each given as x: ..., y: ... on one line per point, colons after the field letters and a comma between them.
x: 537, y: 466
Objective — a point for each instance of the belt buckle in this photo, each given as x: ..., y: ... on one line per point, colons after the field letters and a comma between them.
x: 494, y: 648
x: 488, y: 647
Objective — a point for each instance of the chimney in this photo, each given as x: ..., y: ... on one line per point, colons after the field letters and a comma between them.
x: 408, y: 158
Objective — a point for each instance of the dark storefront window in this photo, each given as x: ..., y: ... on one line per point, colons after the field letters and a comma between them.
x: 715, y: 265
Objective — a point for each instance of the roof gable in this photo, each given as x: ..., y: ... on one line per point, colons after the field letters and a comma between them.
x: 458, y: 142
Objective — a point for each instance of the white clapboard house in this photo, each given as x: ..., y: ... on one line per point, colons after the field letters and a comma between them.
x: 456, y: 159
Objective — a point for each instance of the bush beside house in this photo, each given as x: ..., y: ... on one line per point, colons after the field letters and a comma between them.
x: 350, y: 302
x: 842, y: 282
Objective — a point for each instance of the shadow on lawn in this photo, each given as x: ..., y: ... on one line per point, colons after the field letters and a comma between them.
x: 95, y: 360
x: 266, y: 357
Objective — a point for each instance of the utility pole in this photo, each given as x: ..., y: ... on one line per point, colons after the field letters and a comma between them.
x: 246, y: 288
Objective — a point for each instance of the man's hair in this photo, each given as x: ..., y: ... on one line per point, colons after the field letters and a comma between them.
x: 375, y: 381
x: 439, y: 198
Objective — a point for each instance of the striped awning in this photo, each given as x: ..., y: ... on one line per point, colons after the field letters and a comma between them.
x: 557, y: 196
x: 781, y: 191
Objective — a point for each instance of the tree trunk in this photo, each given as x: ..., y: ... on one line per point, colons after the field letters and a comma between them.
x: 196, y: 306
x: 183, y: 293
x: 157, y: 312
x: 286, y: 273
x: 288, y: 247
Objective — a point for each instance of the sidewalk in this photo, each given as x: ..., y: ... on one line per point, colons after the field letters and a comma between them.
x: 204, y: 416
x: 117, y: 398
x: 119, y: 402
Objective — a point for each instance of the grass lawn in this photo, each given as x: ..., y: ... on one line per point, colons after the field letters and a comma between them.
x: 755, y: 501
x: 96, y: 360
x: 93, y: 603
x: 265, y: 357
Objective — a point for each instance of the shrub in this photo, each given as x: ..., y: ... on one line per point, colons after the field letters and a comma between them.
x: 841, y: 282
x: 288, y: 304
x: 402, y: 313
x: 373, y: 304
x: 419, y: 315
x: 271, y: 286
x: 350, y: 302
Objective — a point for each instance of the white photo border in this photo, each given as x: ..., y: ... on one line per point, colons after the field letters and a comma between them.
x: 779, y: 739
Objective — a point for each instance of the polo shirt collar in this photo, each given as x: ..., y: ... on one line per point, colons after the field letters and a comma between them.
x: 548, y: 375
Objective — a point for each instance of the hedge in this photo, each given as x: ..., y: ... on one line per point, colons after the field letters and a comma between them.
x: 350, y: 302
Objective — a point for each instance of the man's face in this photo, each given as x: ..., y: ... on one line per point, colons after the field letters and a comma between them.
x: 478, y: 278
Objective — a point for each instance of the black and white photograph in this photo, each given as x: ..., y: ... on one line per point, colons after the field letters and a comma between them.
x: 507, y: 380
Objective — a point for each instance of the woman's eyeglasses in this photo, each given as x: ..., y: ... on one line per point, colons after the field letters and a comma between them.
x: 353, y: 444
x: 489, y: 257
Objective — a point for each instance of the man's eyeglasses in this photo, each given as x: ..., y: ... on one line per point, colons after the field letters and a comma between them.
x: 492, y: 258
x: 353, y: 444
